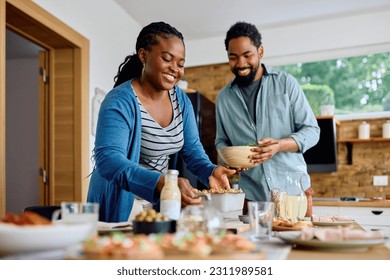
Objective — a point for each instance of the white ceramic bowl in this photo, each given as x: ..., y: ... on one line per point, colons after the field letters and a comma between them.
x: 16, y: 239
x: 237, y: 156
x: 226, y: 202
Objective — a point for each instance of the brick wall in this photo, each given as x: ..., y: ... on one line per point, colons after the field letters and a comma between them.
x: 368, y: 159
x: 356, y: 179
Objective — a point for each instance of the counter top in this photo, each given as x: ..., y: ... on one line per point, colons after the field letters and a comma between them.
x: 337, y: 203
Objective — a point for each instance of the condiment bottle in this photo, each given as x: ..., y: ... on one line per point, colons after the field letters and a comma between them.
x: 364, y: 130
x: 170, y: 198
x: 386, y: 129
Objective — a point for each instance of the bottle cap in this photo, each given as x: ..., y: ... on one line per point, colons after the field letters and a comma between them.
x: 173, y: 172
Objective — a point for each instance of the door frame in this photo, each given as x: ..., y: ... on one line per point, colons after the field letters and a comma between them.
x: 34, y: 23
x: 44, y: 124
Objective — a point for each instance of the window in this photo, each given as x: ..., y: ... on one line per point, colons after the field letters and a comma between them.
x: 358, y: 84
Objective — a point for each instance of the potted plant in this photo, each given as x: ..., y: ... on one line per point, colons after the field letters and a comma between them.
x: 327, y: 104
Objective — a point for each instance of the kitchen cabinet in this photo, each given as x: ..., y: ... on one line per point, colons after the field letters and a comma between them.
x: 370, y: 218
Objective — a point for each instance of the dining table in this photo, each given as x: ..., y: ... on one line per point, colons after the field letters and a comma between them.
x: 380, y: 252
x: 273, y: 249
x: 277, y: 249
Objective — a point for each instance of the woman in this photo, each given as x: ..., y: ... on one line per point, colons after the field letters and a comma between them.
x: 142, y: 123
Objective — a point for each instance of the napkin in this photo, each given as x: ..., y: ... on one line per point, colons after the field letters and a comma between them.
x: 330, y: 219
x: 339, y: 234
x: 104, y: 225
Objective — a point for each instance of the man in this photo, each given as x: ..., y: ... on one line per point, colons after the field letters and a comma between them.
x: 264, y: 106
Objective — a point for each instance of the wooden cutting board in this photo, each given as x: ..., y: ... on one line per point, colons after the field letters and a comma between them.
x: 236, y: 227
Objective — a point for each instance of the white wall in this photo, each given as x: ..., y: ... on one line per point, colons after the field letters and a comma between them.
x: 307, y: 41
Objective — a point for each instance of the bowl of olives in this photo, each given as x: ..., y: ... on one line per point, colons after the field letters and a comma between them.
x: 151, y: 221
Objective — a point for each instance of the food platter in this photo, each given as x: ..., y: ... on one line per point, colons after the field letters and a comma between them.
x: 16, y: 239
x: 282, y: 228
x: 293, y: 237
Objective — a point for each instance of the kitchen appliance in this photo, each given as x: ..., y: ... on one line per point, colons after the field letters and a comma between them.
x: 204, y: 111
x: 323, y: 156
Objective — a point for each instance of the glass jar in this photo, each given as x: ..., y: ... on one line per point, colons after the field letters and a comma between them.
x: 279, y: 198
x: 386, y: 129
x: 364, y: 130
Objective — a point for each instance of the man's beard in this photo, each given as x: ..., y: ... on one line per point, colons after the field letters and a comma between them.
x: 244, y: 81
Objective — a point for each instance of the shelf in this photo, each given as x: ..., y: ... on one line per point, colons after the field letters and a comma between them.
x: 356, y: 140
x: 350, y: 141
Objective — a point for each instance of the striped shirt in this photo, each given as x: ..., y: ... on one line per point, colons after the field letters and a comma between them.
x: 158, y: 143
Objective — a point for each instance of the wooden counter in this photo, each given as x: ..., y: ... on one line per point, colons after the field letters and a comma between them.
x: 372, y: 203
x: 380, y: 252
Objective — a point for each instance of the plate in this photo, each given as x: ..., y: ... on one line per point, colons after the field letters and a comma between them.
x: 22, y: 239
x: 335, y: 223
x: 293, y: 237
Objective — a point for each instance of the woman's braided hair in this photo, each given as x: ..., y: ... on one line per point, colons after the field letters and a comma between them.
x: 148, y: 37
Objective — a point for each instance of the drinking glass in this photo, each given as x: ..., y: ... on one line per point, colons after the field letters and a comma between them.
x: 77, y: 213
x: 261, y: 214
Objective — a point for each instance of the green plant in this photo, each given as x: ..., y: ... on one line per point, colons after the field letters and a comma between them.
x: 318, y: 95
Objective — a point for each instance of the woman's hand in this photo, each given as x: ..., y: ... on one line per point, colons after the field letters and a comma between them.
x: 219, y: 179
x: 188, y: 196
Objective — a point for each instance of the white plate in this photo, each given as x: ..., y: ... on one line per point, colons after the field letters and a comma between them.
x: 293, y: 237
x: 21, y: 239
x: 335, y: 223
